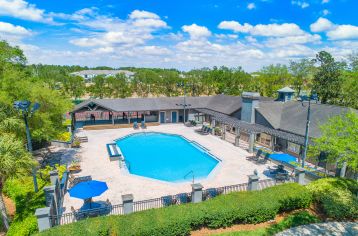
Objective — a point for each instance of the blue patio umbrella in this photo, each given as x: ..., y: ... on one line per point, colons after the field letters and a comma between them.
x: 88, y: 189
x: 284, y: 157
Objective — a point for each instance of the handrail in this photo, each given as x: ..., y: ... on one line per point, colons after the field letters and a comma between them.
x: 190, y: 172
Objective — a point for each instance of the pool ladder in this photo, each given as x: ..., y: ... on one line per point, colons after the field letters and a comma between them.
x: 190, y: 172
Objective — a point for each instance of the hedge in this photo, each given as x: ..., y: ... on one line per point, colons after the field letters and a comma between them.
x: 336, y: 196
x: 222, y: 211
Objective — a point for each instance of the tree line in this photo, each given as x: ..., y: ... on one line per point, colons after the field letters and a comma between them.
x: 336, y: 82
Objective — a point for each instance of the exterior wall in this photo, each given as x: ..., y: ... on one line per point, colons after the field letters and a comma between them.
x: 259, y: 119
x: 237, y: 114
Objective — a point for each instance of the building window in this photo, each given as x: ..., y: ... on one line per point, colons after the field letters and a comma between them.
x: 293, y: 147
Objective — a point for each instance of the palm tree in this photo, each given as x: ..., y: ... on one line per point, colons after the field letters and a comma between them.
x: 15, y: 161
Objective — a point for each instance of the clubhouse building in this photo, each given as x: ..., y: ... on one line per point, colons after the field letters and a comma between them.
x: 248, y: 121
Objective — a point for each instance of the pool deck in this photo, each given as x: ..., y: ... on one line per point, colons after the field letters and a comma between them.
x: 233, y: 169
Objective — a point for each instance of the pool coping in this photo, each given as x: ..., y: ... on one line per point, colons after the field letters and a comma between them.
x: 197, y: 145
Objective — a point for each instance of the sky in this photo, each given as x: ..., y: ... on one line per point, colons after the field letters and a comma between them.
x: 183, y: 34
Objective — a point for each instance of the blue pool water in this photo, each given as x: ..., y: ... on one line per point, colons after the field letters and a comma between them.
x: 165, y: 157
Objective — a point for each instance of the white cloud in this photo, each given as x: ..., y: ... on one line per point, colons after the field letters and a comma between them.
x: 251, y: 6
x: 301, y: 4
x: 326, y: 12
x: 13, y: 29
x: 286, y: 29
x: 278, y: 30
x: 325, y: 1
x: 343, y: 32
x: 334, y: 31
x: 23, y: 10
x: 196, y: 32
x: 293, y: 40
x: 235, y: 26
x: 14, y: 34
x: 137, y: 14
x: 322, y: 24
x: 135, y: 30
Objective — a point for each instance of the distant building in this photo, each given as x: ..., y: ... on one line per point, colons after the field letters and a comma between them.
x: 88, y: 75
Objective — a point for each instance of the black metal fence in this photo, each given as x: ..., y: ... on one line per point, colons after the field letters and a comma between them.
x: 164, y: 201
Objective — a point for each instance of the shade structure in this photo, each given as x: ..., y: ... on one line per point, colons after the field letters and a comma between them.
x: 284, y: 157
x: 88, y: 189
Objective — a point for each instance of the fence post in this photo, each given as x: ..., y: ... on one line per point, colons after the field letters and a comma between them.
x: 43, y: 218
x: 253, y: 183
x: 49, y: 194
x: 127, y: 203
x: 54, y: 177
x: 197, y: 192
x: 300, y: 175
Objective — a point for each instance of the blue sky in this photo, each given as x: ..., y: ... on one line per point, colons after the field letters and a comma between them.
x: 181, y: 34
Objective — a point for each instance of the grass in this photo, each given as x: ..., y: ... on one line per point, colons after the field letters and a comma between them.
x: 294, y: 220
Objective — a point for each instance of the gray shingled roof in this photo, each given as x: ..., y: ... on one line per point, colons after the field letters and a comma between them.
x: 221, y: 103
x: 286, y: 90
x: 291, y: 116
x: 252, y: 128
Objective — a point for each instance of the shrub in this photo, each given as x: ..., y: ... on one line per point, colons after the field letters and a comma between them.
x: 336, y: 196
x: 21, y: 191
x: 64, y: 136
x: 340, y: 204
x: 297, y: 219
x: 222, y: 211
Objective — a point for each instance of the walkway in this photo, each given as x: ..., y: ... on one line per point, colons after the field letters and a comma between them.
x: 327, y: 229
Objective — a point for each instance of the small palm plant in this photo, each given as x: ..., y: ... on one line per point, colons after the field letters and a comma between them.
x: 15, y: 161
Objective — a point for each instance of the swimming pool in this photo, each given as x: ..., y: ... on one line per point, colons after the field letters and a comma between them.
x: 165, y: 157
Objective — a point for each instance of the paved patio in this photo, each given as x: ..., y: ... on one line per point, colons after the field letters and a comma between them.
x: 234, y: 168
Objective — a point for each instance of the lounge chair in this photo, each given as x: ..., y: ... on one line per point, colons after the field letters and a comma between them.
x: 143, y: 125
x: 183, y: 198
x: 211, y: 193
x: 265, y: 159
x: 135, y: 125
x: 256, y: 157
x: 201, y: 129
x: 282, y: 177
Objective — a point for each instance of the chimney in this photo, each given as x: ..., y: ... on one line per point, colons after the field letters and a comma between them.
x: 250, y: 101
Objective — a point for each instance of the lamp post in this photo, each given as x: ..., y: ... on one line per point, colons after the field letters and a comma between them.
x: 313, y: 97
x: 25, y: 108
x: 183, y: 85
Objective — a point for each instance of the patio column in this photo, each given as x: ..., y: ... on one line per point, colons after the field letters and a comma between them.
x: 112, y: 118
x: 253, y: 183
x: 251, y: 142
x: 300, y: 175
x: 273, y: 142
x: 197, y: 192
x: 50, y: 195
x: 213, y: 126
x: 129, y: 118
x: 54, y: 177
x: 237, y: 137
x: 43, y: 218
x: 127, y: 200
x: 223, y: 131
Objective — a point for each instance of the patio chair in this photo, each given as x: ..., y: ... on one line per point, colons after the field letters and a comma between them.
x: 211, y: 193
x: 281, y: 177
x: 168, y: 200
x: 201, y: 129
x: 143, y: 125
x: 135, y: 125
x: 256, y: 157
x: 264, y: 160
x: 183, y: 198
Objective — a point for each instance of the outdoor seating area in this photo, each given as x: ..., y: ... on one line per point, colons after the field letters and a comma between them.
x: 205, y: 130
x: 191, y: 123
